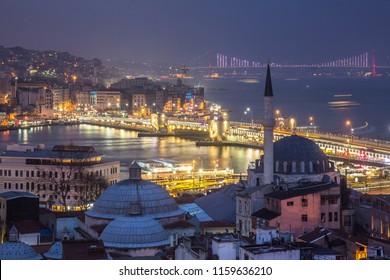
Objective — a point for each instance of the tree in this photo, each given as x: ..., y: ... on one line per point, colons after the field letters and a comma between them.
x: 69, y: 177
x: 91, y: 188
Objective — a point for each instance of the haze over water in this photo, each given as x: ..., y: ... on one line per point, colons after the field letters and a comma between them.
x: 305, y: 97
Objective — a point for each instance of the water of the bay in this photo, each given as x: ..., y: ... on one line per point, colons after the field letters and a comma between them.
x: 300, y: 98
x: 125, y: 146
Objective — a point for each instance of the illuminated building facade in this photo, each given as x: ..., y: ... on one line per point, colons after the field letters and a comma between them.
x: 35, y: 169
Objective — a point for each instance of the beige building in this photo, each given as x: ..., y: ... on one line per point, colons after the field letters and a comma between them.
x: 54, y: 175
x: 104, y: 100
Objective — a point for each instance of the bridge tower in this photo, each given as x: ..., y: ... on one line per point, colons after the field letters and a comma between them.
x: 373, y: 64
x: 219, y: 125
x: 268, y: 124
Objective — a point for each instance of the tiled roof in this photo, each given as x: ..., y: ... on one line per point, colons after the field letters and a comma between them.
x: 222, y: 224
x: 265, y: 214
x: 28, y: 226
x: 314, y: 235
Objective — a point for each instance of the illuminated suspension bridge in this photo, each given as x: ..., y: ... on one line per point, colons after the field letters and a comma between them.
x: 220, y: 60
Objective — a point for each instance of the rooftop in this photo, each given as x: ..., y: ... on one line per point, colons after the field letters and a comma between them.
x: 263, y: 249
x: 265, y: 214
x: 28, y: 226
x: 14, y: 194
x: 315, y: 235
x: 220, y: 205
x: 312, y: 187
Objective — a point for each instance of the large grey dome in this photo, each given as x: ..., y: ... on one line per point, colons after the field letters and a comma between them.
x: 134, y: 232
x: 297, y: 148
x: 120, y: 199
x: 18, y: 251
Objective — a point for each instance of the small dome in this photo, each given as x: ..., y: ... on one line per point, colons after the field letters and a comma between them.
x: 297, y: 148
x: 55, y: 251
x: 18, y: 251
x: 134, y: 232
x: 120, y: 199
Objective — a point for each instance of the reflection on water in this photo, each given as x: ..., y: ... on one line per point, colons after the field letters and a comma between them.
x: 125, y: 146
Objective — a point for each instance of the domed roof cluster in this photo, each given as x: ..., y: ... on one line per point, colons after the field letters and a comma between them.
x: 119, y: 199
x: 16, y: 250
x: 297, y: 148
x: 134, y: 232
x: 133, y: 212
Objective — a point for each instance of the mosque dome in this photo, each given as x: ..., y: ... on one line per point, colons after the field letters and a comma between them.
x: 134, y: 232
x: 299, y: 155
x: 135, y: 196
x: 297, y: 148
x: 17, y: 250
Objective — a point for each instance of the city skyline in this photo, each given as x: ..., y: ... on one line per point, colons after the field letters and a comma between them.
x: 177, y: 32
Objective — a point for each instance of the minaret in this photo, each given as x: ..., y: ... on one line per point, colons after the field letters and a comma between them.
x: 268, y: 124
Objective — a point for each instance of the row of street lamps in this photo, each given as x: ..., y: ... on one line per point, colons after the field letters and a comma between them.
x: 311, y: 119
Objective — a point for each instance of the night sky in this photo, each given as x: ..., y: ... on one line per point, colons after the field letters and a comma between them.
x: 178, y: 31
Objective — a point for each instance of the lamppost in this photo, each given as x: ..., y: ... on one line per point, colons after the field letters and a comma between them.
x: 248, y: 110
x: 349, y: 124
x: 312, y: 123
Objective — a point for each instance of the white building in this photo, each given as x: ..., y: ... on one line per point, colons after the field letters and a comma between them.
x: 225, y: 247
x: 22, y: 168
x: 106, y: 99
x: 269, y: 252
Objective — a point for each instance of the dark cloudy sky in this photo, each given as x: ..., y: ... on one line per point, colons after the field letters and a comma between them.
x: 178, y: 31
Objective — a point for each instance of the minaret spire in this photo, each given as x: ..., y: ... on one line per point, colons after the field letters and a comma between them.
x: 268, y: 84
x: 268, y: 124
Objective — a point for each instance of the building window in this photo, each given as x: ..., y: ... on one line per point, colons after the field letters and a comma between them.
x: 330, y: 216
x: 333, y: 199
x: 323, y: 200
x: 290, y: 203
x: 304, y: 202
x: 304, y: 218
x: 347, y: 221
x: 336, y: 216
x: 322, y: 217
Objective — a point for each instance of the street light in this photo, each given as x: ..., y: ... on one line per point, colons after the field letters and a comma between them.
x: 248, y: 110
x: 312, y: 122
x: 349, y: 123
